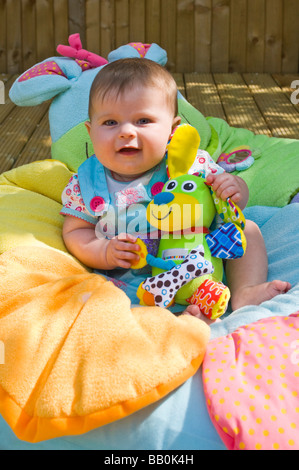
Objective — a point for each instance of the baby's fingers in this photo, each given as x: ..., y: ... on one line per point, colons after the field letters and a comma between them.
x: 236, y: 197
x: 124, y: 264
x: 228, y: 191
x: 126, y: 258
x: 210, y: 179
x: 126, y: 246
x: 126, y: 237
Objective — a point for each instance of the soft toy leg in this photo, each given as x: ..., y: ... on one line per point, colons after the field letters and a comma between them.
x: 147, y: 298
x: 212, y: 298
x: 165, y: 285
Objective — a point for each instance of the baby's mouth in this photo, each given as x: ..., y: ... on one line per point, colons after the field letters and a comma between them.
x: 128, y: 151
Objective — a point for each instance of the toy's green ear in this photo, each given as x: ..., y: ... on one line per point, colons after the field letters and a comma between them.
x: 181, y: 150
x: 228, y: 210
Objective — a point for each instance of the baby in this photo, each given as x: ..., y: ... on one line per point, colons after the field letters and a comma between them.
x: 133, y: 111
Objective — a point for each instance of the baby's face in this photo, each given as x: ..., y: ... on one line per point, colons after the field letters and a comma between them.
x: 130, y: 132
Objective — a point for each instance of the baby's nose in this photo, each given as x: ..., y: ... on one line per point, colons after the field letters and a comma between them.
x: 127, y: 130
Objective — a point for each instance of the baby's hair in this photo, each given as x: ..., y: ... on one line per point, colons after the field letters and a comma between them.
x: 125, y: 74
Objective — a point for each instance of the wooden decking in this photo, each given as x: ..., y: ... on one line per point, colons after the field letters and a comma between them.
x: 258, y: 102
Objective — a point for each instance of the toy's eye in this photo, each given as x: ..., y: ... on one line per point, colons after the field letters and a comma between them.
x: 171, y: 185
x: 189, y: 186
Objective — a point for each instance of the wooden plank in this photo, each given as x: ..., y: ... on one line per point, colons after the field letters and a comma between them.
x: 16, y: 130
x: 220, y: 36
x: 137, y: 21
x: 238, y: 103
x: 203, y: 94
x: 202, y: 35
x: 38, y: 147
x: 198, y: 35
x: 2, y: 90
x: 61, y: 23
x: 168, y: 32
x: 77, y: 18
x: 285, y: 81
x: 121, y: 22
x: 256, y: 32
x: 238, y: 36
x: 290, y: 52
x: 185, y: 34
x: 179, y: 78
x: 107, y: 27
x: 278, y: 111
x: 28, y: 34
x: 153, y: 20
x: 14, y: 39
x: 273, y: 42
x: 3, y: 37
x: 44, y: 30
x: 93, y: 27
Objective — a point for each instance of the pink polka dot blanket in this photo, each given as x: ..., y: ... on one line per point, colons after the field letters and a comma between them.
x: 251, y: 384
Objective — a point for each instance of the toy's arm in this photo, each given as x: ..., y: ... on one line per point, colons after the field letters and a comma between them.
x: 53, y: 76
x: 227, y: 241
x: 160, y: 263
x: 148, y: 258
x: 44, y: 81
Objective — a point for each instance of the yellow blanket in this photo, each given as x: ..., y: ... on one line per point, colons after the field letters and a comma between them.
x: 75, y: 355
x: 30, y: 201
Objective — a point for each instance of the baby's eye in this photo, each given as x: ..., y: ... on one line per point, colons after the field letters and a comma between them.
x: 110, y: 122
x: 144, y: 121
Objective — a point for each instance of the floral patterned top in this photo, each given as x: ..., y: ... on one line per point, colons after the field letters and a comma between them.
x: 124, y: 196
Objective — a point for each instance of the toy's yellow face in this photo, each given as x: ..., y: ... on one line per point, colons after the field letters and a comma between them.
x: 184, y: 202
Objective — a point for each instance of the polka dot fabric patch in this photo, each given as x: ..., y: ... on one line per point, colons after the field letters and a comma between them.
x: 251, y: 384
x: 45, y: 68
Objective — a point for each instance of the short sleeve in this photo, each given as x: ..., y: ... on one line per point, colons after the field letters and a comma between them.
x: 73, y: 203
x: 204, y: 165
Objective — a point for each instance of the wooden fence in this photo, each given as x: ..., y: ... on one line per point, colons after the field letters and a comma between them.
x: 199, y: 35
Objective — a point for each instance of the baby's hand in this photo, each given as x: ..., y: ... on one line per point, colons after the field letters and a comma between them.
x: 226, y: 185
x: 119, y: 251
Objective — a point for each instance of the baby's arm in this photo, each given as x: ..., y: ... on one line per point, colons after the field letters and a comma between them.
x: 98, y: 253
x: 227, y: 185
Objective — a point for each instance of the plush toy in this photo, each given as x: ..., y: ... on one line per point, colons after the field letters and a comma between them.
x: 188, y: 268
x: 239, y: 159
x: 68, y: 80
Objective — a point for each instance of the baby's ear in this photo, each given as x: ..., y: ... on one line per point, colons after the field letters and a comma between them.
x: 44, y: 81
x: 87, y: 125
x: 176, y: 122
